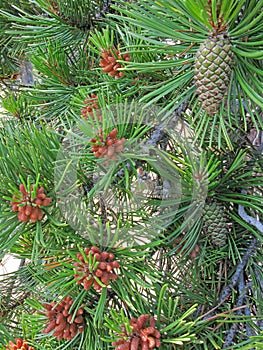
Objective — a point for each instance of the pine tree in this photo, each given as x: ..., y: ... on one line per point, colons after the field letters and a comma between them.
x: 131, y: 174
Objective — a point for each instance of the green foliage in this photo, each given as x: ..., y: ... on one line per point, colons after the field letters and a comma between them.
x: 166, y: 27
x: 146, y: 205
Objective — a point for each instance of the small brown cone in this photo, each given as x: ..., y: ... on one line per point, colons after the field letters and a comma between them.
x: 19, y: 345
x: 143, y: 336
x: 109, y: 63
x: 29, y: 208
x: 63, y: 324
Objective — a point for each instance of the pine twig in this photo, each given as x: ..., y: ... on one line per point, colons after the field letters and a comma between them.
x: 249, y: 219
x: 235, y: 279
x: 240, y: 268
x: 260, y: 324
x: 249, y: 330
x: 158, y: 137
x: 258, y: 277
x: 235, y: 309
x: 232, y: 331
x: 245, y: 311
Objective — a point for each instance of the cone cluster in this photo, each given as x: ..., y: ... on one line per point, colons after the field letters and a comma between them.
x: 88, y: 275
x: 61, y: 320
x: 108, y: 147
x: 143, y: 337
x: 19, y: 345
x: 109, y: 63
x: 29, y: 208
x: 213, y: 66
x: 215, y: 223
x: 91, y: 104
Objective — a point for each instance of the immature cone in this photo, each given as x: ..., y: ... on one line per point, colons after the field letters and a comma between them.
x: 109, y: 63
x: 144, y: 335
x: 91, y: 104
x: 212, y: 71
x: 19, y: 345
x: 61, y: 321
x: 29, y: 208
x: 108, y: 147
x: 215, y: 224
x: 86, y: 274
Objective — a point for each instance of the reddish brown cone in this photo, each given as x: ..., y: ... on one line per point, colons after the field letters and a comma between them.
x: 61, y: 321
x: 87, y: 275
x: 91, y: 104
x: 144, y: 335
x: 109, y: 63
x: 19, y: 345
x: 107, y: 147
x: 28, y: 208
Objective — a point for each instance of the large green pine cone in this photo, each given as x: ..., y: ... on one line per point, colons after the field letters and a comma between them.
x: 215, y: 224
x: 212, y: 71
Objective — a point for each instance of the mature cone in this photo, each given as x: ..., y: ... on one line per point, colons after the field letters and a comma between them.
x: 215, y: 224
x: 212, y: 71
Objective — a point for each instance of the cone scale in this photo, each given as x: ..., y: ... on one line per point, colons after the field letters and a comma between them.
x: 212, y: 71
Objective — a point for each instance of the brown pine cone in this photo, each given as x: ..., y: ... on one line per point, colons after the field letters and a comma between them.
x: 61, y: 321
x: 91, y: 104
x: 109, y: 63
x: 19, y: 345
x: 29, y: 208
x: 143, y: 337
x: 88, y: 276
x: 109, y: 147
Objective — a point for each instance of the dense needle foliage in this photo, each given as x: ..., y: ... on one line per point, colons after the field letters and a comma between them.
x: 131, y: 144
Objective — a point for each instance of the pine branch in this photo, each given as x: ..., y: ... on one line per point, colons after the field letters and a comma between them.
x: 249, y: 330
x: 156, y: 138
x: 235, y: 279
x: 243, y: 290
x: 240, y: 268
x: 249, y: 219
x: 258, y: 277
x: 159, y: 137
